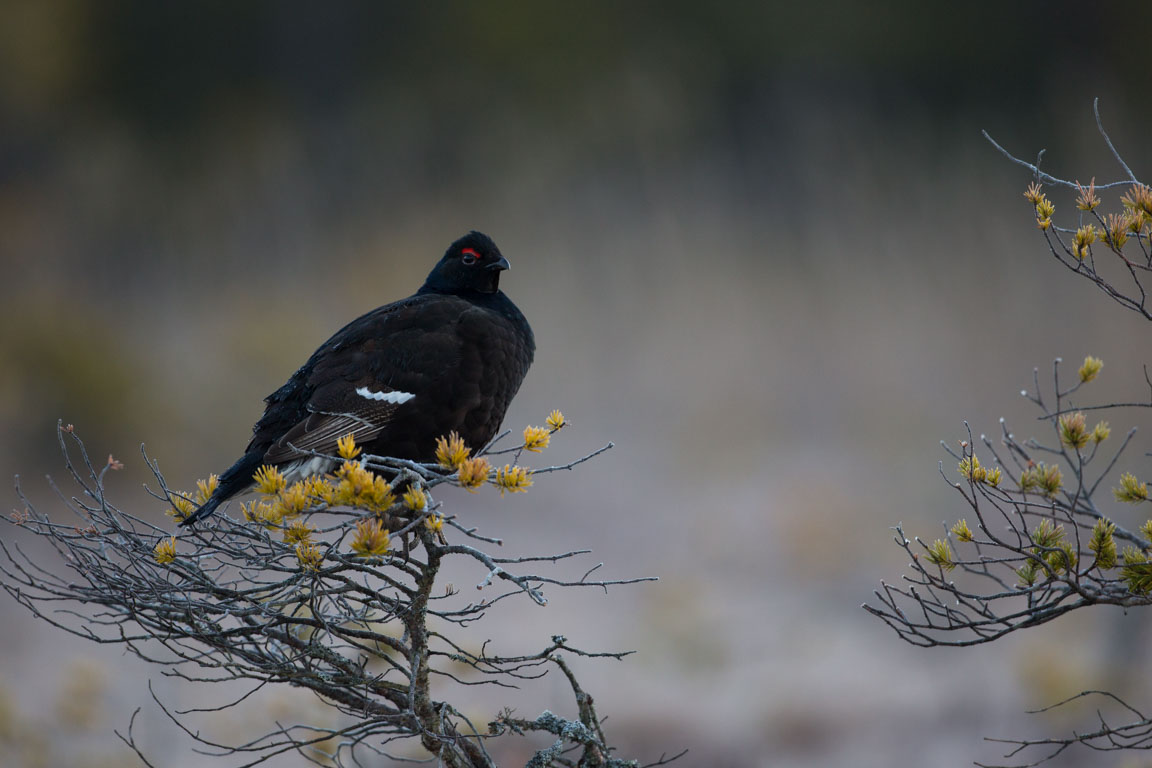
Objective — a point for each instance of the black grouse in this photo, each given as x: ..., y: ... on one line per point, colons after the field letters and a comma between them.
x: 449, y: 357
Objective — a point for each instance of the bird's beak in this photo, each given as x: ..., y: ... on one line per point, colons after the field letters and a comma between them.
x: 499, y: 266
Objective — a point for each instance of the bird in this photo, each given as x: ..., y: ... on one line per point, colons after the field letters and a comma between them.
x: 448, y: 358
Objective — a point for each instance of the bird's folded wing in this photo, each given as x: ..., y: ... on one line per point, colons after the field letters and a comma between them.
x: 363, y: 417
x: 361, y: 377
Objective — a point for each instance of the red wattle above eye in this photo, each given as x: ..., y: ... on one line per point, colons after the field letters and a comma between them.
x: 470, y: 252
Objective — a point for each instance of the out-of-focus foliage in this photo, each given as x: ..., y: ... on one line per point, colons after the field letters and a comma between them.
x: 1046, y: 547
x: 173, y: 158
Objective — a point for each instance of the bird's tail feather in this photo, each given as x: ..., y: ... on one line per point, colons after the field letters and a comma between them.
x: 236, y: 479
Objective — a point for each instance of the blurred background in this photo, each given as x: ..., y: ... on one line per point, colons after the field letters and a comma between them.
x: 765, y: 250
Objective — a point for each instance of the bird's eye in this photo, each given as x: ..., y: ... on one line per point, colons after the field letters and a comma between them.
x: 468, y: 256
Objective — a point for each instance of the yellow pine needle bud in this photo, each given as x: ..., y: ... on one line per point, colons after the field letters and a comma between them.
x: 1142, y: 221
x: 473, y: 473
x: 380, y: 496
x: 1047, y: 535
x: 346, y: 447
x: 181, y: 508
x: 361, y: 488
x: 269, y: 514
x: 1044, y: 211
x: 556, y: 421
x: 1117, y: 234
x: 165, y: 551
x: 1102, y: 544
x: 347, y: 493
x: 1042, y: 478
x: 1033, y: 194
x: 1071, y: 557
x: 298, y: 533
x: 1087, y: 199
x: 1091, y: 368
x: 536, y: 439
x: 435, y: 524
x: 1136, y: 571
x: 414, y: 499
x: 513, y: 479
x: 1131, y: 489
x: 940, y: 554
x: 1063, y: 560
x: 1051, y: 479
x: 1028, y: 573
x: 1084, y: 237
x: 1146, y: 530
x: 269, y: 480
x: 260, y: 512
x: 993, y: 477
x: 1139, y: 198
x: 371, y: 539
x: 309, y: 556
x: 451, y: 451
x: 369, y: 492
x: 205, y: 488
x: 1073, y: 430
x: 962, y: 532
x: 970, y: 467
x: 1100, y: 432
x: 292, y: 501
x: 1136, y: 221
x: 320, y: 489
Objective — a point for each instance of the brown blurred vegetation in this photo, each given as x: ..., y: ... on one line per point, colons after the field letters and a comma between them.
x: 764, y: 249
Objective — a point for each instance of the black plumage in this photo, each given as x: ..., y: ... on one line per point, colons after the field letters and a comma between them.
x: 449, y: 357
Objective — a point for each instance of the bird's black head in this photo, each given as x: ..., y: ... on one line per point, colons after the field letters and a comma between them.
x: 472, y: 264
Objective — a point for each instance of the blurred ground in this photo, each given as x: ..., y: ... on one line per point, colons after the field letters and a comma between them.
x: 767, y: 253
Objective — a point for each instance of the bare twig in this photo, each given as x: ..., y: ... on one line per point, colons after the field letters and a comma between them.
x: 1035, y: 544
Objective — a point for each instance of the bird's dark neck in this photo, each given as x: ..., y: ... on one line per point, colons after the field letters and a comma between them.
x: 495, y: 300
